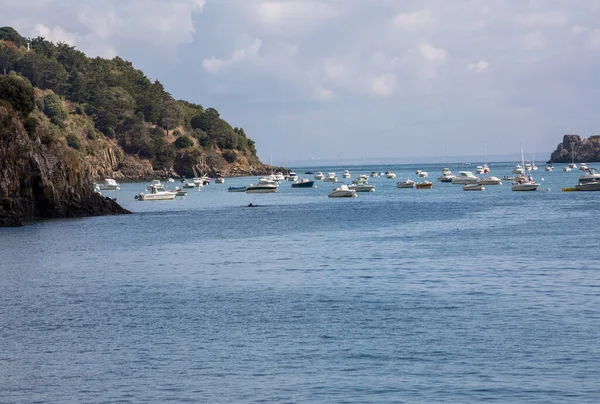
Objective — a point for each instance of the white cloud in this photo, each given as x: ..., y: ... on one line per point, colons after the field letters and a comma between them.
x: 594, y: 39
x: 534, y: 40
x: 478, y: 67
x: 289, y: 14
x: 546, y: 18
x: 55, y: 34
x: 578, y: 29
x: 385, y: 85
x: 249, y: 52
x: 431, y: 59
x: 415, y: 21
x: 322, y: 93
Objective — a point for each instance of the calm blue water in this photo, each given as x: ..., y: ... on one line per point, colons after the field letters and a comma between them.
x: 401, y: 295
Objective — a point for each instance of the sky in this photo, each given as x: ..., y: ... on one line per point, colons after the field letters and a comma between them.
x: 352, y: 79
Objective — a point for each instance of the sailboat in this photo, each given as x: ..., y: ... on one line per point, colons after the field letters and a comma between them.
x: 572, y: 165
x: 484, y: 169
x: 524, y: 182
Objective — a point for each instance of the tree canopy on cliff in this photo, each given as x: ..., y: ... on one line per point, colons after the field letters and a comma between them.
x: 122, y: 102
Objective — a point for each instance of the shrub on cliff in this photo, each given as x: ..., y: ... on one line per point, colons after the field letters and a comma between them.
x: 183, y: 142
x: 230, y: 156
x: 53, y: 109
x: 19, y: 93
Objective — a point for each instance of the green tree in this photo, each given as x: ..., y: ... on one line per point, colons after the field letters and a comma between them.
x: 9, y: 34
x: 172, y: 115
x: 183, y: 142
x: 19, y: 93
x: 53, y: 108
x: 9, y: 54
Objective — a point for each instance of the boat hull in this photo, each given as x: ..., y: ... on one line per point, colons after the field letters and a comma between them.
x: 306, y: 184
x: 261, y: 190
x: 588, y: 186
x: 236, y: 189
x: 525, y: 187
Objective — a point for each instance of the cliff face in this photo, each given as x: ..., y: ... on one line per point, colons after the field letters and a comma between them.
x: 39, y: 181
x: 574, y: 148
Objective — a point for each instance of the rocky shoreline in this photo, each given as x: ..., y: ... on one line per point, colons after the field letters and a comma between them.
x: 573, y: 148
x: 40, y: 181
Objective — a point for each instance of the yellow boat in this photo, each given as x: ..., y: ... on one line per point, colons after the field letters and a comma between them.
x: 569, y: 189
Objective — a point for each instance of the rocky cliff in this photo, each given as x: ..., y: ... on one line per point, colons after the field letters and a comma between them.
x: 43, y: 181
x: 577, y: 149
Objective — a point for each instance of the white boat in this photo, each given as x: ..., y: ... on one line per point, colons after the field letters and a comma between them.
x: 491, y: 180
x: 319, y: 176
x: 588, y: 186
x: 292, y: 176
x: 424, y: 185
x: 278, y: 176
x: 342, y: 192
x: 473, y: 187
x: 582, y: 166
x: 374, y: 174
x: 533, y: 166
x: 566, y: 168
x: 590, y: 175
x: 362, y: 187
x: 346, y: 174
x: 189, y: 185
x: 219, y: 180
x: 154, y: 183
x: 423, y: 174
x: 418, y: 172
x: 573, y: 165
x: 157, y: 193
x: 465, y: 177
x: 180, y: 192
x: 524, y: 182
x: 390, y: 175
x: 170, y: 180
x: 363, y: 177
x: 549, y: 167
x: 264, y: 186
x: 447, y: 175
x: 331, y: 177
x: 479, y: 170
x: 406, y: 184
x: 518, y: 169
x: 109, y: 184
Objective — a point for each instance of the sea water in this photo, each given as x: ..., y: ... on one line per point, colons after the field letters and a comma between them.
x: 400, y: 295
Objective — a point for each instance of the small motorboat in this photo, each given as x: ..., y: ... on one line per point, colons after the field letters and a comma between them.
x: 390, y: 175
x: 157, y: 193
x: 319, y: 176
x: 264, y: 186
x: 109, y: 184
x: 346, y: 174
x: 406, y: 184
x: 342, y: 192
x: 331, y: 177
x: 588, y: 186
x: 424, y: 185
x: 180, y: 192
x: 362, y: 187
x: 490, y: 181
x: 236, y: 189
x: 303, y: 183
x: 219, y: 180
x: 423, y: 174
x: 473, y: 187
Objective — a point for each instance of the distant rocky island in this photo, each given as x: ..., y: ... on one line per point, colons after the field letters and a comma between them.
x: 573, y: 148
x: 67, y: 120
